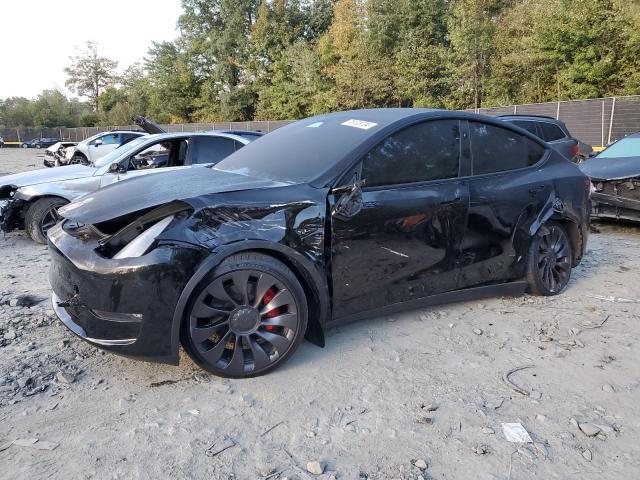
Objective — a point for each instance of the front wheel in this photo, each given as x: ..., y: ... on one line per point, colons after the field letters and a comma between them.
x: 78, y: 159
x: 246, y: 318
x: 41, y: 216
x: 550, y: 260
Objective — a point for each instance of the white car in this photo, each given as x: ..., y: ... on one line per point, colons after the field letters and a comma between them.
x: 30, y: 200
x: 94, y: 148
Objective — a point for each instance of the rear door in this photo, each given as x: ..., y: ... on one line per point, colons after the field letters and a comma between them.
x: 402, y: 242
x: 508, y: 188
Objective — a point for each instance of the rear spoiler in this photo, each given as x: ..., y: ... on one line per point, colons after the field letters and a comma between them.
x: 147, y: 125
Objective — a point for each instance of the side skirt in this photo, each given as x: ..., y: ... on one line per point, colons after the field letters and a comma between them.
x: 511, y: 289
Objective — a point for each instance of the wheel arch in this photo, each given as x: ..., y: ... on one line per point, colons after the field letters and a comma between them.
x: 28, y: 202
x: 313, y: 283
x: 576, y: 236
x: 571, y: 226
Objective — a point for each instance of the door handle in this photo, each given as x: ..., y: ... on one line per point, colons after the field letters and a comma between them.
x: 537, y: 189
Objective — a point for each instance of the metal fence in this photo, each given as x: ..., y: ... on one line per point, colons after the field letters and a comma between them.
x: 597, y: 121
x: 80, y: 133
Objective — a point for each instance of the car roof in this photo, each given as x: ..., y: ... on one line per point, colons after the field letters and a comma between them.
x: 149, y: 138
x: 334, y: 140
x: 530, y: 117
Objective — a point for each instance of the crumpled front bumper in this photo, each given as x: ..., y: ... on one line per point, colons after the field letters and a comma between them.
x: 604, y: 205
x: 124, y: 306
x: 10, y: 214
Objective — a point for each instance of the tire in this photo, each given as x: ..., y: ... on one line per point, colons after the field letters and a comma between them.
x: 251, y: 301
x: 41, y: 216
x: 38, y: 146
x: 77, y: 159
x: 550, y: 260
x: 24, y: 145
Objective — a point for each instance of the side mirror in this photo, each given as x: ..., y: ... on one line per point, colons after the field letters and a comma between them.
x: 350, y: 202
x: 116, y: 168
x: 97, y: 143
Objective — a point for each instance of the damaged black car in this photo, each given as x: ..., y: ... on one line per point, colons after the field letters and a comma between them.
x: 339, y: 217
x: 615, y: 174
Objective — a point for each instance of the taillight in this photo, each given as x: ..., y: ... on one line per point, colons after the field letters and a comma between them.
x: 575, y: 149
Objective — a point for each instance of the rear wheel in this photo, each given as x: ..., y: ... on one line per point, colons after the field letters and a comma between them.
x: 41, y: 216
x: 246, y: 318
x: 550, y: 260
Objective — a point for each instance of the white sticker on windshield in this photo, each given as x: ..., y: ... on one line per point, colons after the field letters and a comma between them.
x: 315, y: 125
x: 359, y: 124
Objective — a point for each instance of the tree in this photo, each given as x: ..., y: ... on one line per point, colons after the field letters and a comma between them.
x: 89, y: 74
x: 471, y: 31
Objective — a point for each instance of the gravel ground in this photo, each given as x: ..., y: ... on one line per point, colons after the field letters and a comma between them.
x: 415, y: 395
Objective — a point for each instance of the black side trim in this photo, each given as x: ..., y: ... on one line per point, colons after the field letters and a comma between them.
x: 511, y: 289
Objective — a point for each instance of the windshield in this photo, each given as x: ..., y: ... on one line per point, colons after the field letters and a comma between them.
x: 118, y: 152
x: 627, y: 147
x: 302, y: 151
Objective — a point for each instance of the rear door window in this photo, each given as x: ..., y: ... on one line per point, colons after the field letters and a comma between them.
x: 210, y: 149
x: 497, y: 149
x: 419, y: 153
x: 550, y: 132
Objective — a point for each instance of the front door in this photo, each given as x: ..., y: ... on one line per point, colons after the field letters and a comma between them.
x: 402, y: 240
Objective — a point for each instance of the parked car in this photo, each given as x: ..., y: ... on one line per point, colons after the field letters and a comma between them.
x: 554, y: 132
x: 94, y: 148
x: 615, y: 175
x: 30, y: 200
x: 338, y: 217
x: 55, y: 154
x: 39, y: 143
x: 248, y: 134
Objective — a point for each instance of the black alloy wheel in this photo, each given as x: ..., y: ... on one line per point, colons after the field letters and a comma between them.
x: 550, y: 260
x: 247, y: 318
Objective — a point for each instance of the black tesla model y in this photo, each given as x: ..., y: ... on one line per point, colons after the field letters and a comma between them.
x: 342, y: 216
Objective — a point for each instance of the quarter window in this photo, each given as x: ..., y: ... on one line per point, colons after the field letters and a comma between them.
x: 422, y: 152
x: 497, y: 149
x: 551, y: 132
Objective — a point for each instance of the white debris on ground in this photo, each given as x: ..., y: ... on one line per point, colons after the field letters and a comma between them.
x: 421, y: 397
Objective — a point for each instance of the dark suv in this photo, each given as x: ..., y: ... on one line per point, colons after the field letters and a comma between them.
x: 552, y: 131
x: 40, y: 143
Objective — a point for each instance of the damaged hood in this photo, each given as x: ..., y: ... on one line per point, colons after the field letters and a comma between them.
x: 150, y: 191
x: 611, y: 168
x: 47, y: 175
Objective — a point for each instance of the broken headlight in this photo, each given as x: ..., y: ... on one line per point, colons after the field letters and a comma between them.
x: 139, y: 245
x: 139, y: 235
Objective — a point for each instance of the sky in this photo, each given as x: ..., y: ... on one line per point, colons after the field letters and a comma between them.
x: 38, y: 37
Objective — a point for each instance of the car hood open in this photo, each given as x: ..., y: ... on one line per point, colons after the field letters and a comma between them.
x: 148, y: 191
x: 611, y: 168
x: 47, y: 175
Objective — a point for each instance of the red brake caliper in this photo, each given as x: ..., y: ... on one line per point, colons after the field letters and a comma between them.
x: 268, y: 296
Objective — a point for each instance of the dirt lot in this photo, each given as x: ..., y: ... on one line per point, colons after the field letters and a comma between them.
x: 361, y: 406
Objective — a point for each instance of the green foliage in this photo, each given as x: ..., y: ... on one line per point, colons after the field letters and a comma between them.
x: 89, y: 74
x: 277, y: 59
x: 50, y: 109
